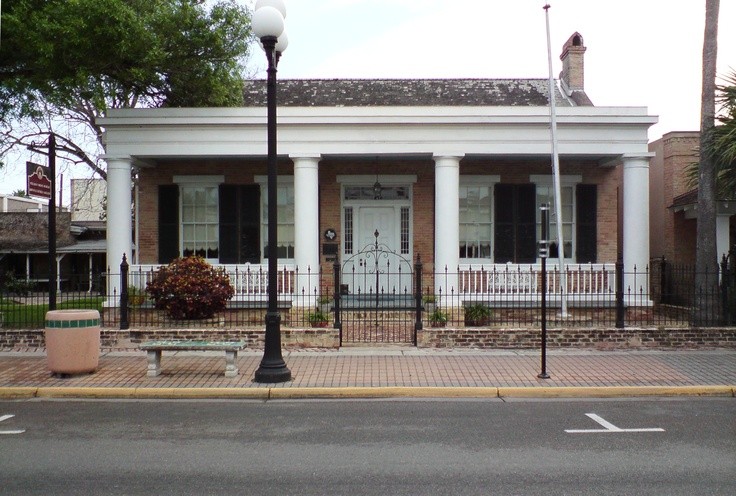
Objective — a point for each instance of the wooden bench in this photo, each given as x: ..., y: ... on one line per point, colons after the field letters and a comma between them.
x: 154, y: 349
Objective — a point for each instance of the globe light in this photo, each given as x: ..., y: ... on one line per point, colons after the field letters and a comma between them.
x: 267, y: 21
x: 282, y: 43
x: 276, y: 4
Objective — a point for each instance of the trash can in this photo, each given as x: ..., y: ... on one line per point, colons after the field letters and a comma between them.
x: 72, y: 341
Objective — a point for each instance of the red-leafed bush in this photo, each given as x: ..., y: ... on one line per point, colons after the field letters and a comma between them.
x: 190, y: 288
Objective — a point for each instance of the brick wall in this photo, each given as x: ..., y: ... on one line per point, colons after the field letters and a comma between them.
x: 630, y: 338
x: 243, y: 172
x: 577, y: 338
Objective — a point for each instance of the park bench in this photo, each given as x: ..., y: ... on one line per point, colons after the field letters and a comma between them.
x: 154, y: 349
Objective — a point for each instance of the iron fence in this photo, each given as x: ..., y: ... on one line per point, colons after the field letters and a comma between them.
x: 663, y: 294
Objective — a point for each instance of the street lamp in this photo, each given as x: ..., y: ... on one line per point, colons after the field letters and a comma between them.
x: 268, y: 26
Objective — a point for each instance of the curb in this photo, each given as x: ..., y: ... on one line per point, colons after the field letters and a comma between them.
x: 20, y: 393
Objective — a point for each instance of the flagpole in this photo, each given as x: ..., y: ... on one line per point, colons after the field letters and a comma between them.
x: 556, y: 174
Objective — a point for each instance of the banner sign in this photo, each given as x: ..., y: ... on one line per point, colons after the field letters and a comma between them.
x: 37, y: 180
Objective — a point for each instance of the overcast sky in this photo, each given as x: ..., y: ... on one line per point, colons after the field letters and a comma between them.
x: 639, y: 52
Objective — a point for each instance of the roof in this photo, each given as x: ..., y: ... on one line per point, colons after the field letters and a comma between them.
x: 83, y: 246
x: 405, y: 92
x: 690, y: 199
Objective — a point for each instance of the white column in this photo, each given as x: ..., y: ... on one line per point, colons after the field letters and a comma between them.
x: 636, y: 222
x: 306, y: 224
x: 119, y: 220
x: 446, y: 221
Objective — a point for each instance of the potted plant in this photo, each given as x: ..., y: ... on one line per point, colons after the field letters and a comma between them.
x: 477, y: 315
x: 136, y: 297
x: 318, y: 319
x: 438, y: 318
x: 428, y: 302
x: 323, y: 302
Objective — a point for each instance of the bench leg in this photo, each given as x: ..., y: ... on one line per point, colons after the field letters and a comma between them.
x: 154, y: 363
x: 231, y: 369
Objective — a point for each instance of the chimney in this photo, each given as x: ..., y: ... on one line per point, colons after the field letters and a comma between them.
x: 573, y: 73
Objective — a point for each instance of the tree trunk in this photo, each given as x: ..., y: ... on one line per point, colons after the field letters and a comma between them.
x: 706, y: 257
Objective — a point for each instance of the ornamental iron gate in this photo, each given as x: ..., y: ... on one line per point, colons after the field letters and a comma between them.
x: 378, y: 296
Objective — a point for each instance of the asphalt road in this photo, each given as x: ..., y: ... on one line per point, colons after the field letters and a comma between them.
x: 369, y: 447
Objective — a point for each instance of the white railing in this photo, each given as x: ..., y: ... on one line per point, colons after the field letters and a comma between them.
x: 522, y: 281
x: 249, y: 280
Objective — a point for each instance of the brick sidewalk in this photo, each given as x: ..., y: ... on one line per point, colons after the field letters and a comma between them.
x: 409, y: 367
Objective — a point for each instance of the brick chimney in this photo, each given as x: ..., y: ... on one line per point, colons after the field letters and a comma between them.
x: 572, y: 76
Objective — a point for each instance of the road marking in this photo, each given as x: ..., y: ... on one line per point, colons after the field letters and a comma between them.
x: 609, y: 427
x: 6, y: 417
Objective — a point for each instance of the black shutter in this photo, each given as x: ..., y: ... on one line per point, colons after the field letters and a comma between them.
x: 168, y: 223
x: 228, y: 223
x: 503, y: 237
x: 240, y: 223
x: 250, y: 224
x: 515, y: 230
x: 586, y: 223
x: 526, y: 223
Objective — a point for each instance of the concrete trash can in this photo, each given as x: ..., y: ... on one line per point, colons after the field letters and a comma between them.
x: 72, y: 341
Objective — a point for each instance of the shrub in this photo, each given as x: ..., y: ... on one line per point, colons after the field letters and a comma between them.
x: 190, y: 288
x: 20, y: 287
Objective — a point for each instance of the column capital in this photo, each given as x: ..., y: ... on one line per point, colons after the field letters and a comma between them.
x: 305, y: 156
x: 448, y: 156
x: 637, y: 159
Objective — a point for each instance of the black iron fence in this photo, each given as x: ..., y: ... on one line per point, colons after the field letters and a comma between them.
x: 663, y: 294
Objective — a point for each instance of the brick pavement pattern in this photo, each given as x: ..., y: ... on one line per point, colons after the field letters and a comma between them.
x: 404, y: 367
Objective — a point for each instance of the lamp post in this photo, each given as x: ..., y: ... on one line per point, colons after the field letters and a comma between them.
x: 268, y: 26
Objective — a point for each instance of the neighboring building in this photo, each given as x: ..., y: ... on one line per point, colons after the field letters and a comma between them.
x: 10, y: 203
x: 24, y: 245
x: 673, y: 202
x: 454, y: 170
x: 88, y: 200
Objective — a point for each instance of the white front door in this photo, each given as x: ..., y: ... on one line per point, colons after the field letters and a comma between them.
x: 374, y: 264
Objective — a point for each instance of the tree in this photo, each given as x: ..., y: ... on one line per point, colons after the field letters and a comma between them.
x: 721, y: 144
x: 706, y: 258
x: 64, y: 63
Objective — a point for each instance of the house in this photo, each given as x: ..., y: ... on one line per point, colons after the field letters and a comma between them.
x: 452, y: 170
x: 673, y: 202
x: 80, y: 243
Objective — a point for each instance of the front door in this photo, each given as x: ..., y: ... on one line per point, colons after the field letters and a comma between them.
x: 373, y: 264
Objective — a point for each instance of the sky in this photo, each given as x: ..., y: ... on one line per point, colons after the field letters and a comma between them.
x: 639, y: 52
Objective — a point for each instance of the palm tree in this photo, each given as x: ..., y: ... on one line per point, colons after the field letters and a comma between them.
x: 722, y: 141
x: 706, y: 257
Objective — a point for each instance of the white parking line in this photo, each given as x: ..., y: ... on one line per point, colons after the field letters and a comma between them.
x: 609, y: 427
x: 6, y: 417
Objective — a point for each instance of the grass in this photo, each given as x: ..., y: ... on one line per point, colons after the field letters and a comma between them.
x: 19, y: 315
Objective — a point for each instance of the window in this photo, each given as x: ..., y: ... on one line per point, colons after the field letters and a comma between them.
x: 546, y: 194
x: 405, y: 230
x: 199, y: 221
x: 285, y: 222
x: 348, y: 230
x: 476, y: 225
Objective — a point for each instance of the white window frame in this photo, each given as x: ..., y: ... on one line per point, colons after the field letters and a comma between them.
x: 547, y: 181
x: 197, y: 181
x: 488, y: 181
x: 262, y: 181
